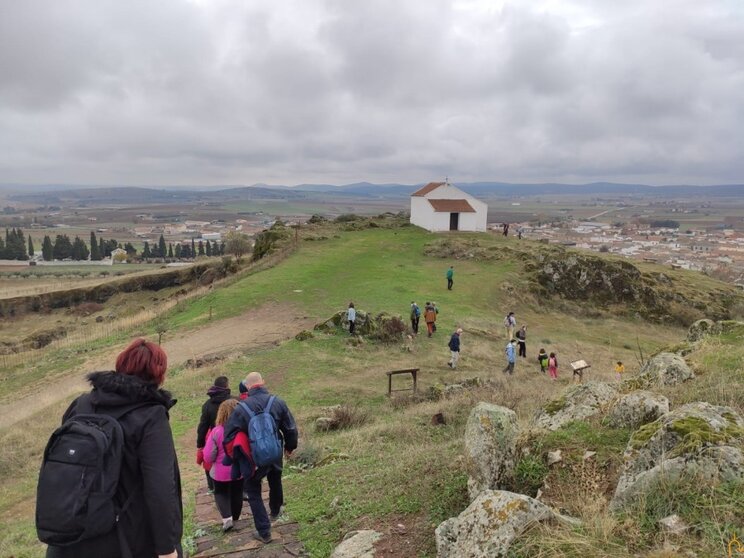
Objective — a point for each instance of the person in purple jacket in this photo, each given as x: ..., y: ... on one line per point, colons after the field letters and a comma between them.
x: 228, y: 493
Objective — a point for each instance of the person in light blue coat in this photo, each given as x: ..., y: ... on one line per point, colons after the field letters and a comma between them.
x: 511, y: 356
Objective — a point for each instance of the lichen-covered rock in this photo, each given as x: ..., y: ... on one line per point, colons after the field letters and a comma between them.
x: 490, y: 447
x: 364, y: 323
x: 578, y: 402
x: 664, y: 369
x: 700, y: 329
x: 489, y: 525
x: 357, y: 544
x: 699, y: 440
x: 637, y: 408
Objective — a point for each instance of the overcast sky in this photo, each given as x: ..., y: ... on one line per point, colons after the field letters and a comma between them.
x: 167, y: 92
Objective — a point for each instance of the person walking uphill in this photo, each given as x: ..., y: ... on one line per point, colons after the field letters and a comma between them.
x: 522, y: 341
x: 511, y: 358
x: 218, y: 393
x: 450, y: 276
x: 510, y: 322
x: 430, y: 317
x: 147, y: 497
x: 351, y: 316
x: 454, y: 347
x: 259, y: 402
x: 415, y: 316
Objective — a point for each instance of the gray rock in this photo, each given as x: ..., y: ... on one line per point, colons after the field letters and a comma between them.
x: 489, y: 525
x: 673, y: 525
x: 490, y: 447
x: 637, y: 408
x: 700, y: 329
x: 323, y: 424
x: 554, y: 457
x: 664, y: 369
x: 577, y: 403
x: 697, y: 440
x: 365, y: 324
x: 357, y: 544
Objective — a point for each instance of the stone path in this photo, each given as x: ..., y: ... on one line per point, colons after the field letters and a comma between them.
x: 239, y: 542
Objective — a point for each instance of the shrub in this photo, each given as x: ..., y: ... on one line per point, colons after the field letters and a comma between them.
x: 347, y: 218
x: 391, y: 328
x: 529, y: 475
x: 347, y: 416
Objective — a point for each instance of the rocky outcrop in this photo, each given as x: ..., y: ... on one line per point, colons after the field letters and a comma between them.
x: 700, y: 329
x: 489, y: 525
x: 698, y: 440
x: 637, y: 408
x: 664, y: 369
x: 357, y: 544
x: 490, y: 447
x: 365, y: 325
x: 577, y: 403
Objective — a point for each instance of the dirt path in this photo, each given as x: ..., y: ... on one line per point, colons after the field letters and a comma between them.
x: 260, y: 327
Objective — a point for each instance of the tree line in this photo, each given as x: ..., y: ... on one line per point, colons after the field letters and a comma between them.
x: 17, y: 246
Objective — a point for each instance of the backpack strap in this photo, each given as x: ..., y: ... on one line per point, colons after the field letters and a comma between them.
x: 269, y: 404
x: 243, y: 405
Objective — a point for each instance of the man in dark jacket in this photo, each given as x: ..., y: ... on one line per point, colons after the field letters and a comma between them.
x: 258, y: 398
x: 454, y: 347
x: 218, y: 393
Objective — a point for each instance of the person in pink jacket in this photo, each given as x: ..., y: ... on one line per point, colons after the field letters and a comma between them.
x: 228, y: 493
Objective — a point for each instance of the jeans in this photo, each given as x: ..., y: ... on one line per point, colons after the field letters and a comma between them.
x: 509, y: 368
x: 449, y: 284
x: 414, y: 324
x: 276, y: 497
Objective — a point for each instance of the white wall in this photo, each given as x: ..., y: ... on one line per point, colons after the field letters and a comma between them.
x: 424, y: 216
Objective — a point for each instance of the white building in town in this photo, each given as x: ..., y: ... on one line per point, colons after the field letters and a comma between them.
x: 439, y: 206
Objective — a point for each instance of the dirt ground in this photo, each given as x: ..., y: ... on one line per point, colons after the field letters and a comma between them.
x: 259, y: 327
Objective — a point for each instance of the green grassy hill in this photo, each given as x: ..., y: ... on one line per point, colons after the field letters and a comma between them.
x: 392, y: 466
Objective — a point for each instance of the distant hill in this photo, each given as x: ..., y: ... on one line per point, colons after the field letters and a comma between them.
x: 127, y: 194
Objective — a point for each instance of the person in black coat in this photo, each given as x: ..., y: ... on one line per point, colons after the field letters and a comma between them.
x: 218, y: 393
x: 152, y: 524
x: 257, y: 400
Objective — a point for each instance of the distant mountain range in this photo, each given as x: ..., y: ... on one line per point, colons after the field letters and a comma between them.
x: 51, y: 194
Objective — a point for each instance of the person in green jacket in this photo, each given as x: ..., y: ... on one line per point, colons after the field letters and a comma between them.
x: 450, y: 275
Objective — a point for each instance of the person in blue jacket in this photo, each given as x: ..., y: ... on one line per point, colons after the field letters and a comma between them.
x: 454, y: 347
x: 257, y: 400
x: 511, y: 356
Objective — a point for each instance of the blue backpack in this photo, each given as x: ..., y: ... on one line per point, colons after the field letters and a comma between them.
x: 263, y: 435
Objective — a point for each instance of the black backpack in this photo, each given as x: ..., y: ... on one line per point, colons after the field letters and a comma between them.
x: 79, y: 477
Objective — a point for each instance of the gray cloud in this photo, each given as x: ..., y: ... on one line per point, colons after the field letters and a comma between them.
x: 197, y: 92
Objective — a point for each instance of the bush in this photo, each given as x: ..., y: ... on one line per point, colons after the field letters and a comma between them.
x: 391, y: 328
x: 529, y: 475
x: 346, y: 416
x: 347, y: 218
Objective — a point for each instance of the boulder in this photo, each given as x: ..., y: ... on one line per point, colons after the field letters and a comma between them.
x: 637, y: 408
x: 490, y: 447
x: 323, y: 424
x: 357, y: 544
x: 664, y: 369
x: 700, y: 329
x: 365, y: 325
x: 304, y: 335
x: 698, y: 440
x: 577, y: 403
x: 489, y: 525
x: 673, y: 525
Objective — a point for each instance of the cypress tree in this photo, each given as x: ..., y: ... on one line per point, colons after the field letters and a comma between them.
x: 208, y: 248
x: 201, y: 248
x: 178, y: 250
x: 2, y: 249
x: 79, y: 249
x: 30, y: 246
x: 47, y: 250
x: 95, y: 250
x: 146, y: 250
x: 193, y: 248
x: 101, y: 248
x: 62, y: 247
x: 170, y: 250
x: 162, y: 249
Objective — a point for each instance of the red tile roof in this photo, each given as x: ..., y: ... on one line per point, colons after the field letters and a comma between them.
x: 451, y: 206
x: 428, y: 188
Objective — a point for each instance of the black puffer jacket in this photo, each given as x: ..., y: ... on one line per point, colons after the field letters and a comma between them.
x: 209, y: 413
x: 153, y: 522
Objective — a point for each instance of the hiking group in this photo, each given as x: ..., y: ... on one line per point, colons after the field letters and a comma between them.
x: 109, y: 484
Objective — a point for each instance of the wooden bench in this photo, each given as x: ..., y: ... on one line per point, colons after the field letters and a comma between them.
x: 578, y: 367
x: 414, y: 374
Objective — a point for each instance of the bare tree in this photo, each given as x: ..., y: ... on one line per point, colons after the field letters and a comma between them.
x: 237, y: 244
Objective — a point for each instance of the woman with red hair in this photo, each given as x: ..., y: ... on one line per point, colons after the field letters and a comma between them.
x: 150, y: 524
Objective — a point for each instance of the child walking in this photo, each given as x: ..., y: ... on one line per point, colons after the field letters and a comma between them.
x: 542, y: 358
x: 553, y: 366
x: 228, y: 493
x: 619, y: 370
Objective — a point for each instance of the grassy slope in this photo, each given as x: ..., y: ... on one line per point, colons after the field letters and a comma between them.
x: 399, y: 468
